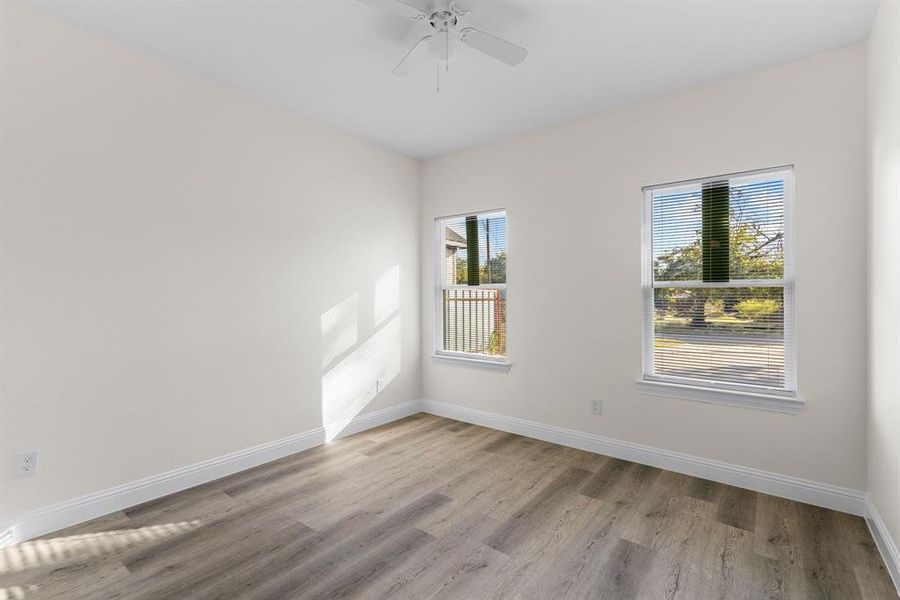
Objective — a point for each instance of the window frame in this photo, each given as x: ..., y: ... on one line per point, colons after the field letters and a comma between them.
x: 440, y: 286
x: 780, y: 399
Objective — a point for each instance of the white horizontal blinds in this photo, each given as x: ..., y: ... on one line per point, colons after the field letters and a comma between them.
x: 472, y: 305
x: 718, y: 282
x: 455, y: 251
x: 757, y: 230
x: 492, y: 248
x: 677, y: 227
x: 698, y: 336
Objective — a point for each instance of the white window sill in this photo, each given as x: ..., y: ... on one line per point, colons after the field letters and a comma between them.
x: 759, y: 400
x: 500, y: 365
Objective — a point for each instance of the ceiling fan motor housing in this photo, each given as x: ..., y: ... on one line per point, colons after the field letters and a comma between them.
x: 442, y: 21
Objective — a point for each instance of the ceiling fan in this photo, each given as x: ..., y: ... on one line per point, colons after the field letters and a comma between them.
x: 443, y: 30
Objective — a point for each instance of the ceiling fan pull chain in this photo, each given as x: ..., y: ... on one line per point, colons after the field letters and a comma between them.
x: 437, y: 71
x: 447, y: 50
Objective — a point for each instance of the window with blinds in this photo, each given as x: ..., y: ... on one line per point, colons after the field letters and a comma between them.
x: 718, y: 282
x: 471, y: 291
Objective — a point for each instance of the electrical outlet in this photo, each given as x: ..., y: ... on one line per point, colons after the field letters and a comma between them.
x: 26, y: 463
x: 379, y: 386
x: 596, y: 407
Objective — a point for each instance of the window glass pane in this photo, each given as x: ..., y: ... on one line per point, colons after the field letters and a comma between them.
x: 455, y: 256
x: 475, y: 321
x: 492, y: 249
x: 677, y: 227
x: 755, y: 232
x: 733, y: 335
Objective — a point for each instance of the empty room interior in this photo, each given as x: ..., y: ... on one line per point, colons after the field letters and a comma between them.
x: 432, y: 299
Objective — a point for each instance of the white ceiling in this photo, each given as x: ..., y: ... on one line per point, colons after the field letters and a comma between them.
x: 331, y: 59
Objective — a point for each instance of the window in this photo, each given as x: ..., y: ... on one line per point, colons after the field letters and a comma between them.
x: 471, y: 286
x: 718, y: 283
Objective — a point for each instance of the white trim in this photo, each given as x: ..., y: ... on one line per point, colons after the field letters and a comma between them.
x: 802, y: 490
x: 480, y: 286
x: 717, y: 385
x: 789, y: 294
x: 439, y: 266
x: 78, y: 510
x: 777, y: 402
x: 745, y: 176
x: 472, y: 213
x: 647, y: 293
x: 731, y: 283
x: 7, y: 537
x: 471, y: 359
x: 884, y: 542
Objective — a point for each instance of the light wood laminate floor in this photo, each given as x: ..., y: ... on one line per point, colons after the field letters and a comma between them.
x: 433, y: 508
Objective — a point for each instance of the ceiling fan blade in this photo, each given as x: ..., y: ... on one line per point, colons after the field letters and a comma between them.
x: 409, y: 9
x: 491, y: 45
x: 397, y: 70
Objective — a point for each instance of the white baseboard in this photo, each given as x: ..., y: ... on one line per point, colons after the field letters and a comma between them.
x: 7, y: 537
x: 58, y: 516
x: 884, y: 542
x: 78, y: 510
x: 811, y: 492
x: 377, y: 418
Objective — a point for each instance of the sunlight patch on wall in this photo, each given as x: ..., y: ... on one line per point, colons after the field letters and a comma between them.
x: 387, y: 294
x: 358, y: 378
x: 340, y: 329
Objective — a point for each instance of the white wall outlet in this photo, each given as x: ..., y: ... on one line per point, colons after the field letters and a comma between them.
x: 379, y: 386
x: 26, y: 463
x: 596, y: 407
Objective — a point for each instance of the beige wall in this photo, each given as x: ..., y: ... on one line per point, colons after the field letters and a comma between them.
x: 169, y: 246
x: 884, y: 266
x: 573, y: 195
